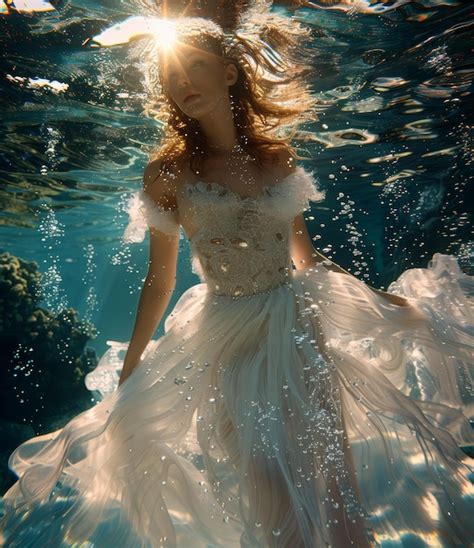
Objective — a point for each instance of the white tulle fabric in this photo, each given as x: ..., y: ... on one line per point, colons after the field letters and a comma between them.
x: 231, y: 427
x: 143, y: 212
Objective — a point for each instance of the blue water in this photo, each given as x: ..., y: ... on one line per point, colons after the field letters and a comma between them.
x: 391, y: 149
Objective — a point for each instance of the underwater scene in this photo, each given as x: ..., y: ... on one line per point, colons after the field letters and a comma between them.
x: 389, y: 146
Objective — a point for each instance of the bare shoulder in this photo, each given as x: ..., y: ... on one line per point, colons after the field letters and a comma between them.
x: 283, y: 163
x: 162, y: 184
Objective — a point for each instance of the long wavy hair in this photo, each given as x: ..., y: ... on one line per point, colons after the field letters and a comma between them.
x: 270, y: 99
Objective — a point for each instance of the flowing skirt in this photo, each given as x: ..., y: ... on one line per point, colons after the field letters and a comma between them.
x: 235, y: 427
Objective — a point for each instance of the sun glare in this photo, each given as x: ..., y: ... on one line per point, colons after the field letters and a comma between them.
x: 162, y: 31
x: 165, y: 34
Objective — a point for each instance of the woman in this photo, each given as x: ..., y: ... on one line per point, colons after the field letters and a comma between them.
x: 274, y: 411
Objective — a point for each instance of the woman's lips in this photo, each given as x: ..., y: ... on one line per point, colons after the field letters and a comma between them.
x: 191, y: 97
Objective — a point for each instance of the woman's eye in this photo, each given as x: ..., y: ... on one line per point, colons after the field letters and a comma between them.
x: 196, y: 63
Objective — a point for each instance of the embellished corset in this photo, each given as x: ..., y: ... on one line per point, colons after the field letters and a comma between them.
x: 243, y: 253
x: 240, y: 245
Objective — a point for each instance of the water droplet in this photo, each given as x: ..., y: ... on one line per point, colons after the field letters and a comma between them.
x: 179, y: 381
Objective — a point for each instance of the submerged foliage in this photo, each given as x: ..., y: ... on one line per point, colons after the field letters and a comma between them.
x: 44, y: 354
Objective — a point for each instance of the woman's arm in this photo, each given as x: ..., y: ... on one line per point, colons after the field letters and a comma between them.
x: 156, y: 293
x: 304, y: 256
x: 160, y: 281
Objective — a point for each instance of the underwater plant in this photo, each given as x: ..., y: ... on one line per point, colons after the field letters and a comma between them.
x: 44, y: 354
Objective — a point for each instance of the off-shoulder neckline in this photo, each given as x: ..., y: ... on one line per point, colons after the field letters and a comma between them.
x: 267, y: 190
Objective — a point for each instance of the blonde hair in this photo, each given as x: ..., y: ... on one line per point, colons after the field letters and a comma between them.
x: 270, y: 99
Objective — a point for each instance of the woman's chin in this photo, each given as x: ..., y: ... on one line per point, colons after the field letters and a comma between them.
x: 193, y: 106
x: 201, y: 108
x: 195, y: 112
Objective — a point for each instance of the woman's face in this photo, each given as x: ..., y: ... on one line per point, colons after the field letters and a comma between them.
x: 196, y: 79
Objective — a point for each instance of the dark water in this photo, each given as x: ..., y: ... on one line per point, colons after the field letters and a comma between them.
x: 392, y: 149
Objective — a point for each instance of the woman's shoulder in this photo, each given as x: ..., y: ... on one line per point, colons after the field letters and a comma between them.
x: 161, y: 181
x: 282, y: 163
x: 294, y: 183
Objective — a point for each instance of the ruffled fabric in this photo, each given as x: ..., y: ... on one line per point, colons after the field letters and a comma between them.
x: 295, y: 192
x: 215, y: 213
x: 231, y: 411
x: 286, y: 198
x: 452, y: 382
x: 234, y: 427
x: 143, y: 213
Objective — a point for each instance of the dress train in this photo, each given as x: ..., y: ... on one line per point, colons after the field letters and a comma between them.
x: 230, y: 430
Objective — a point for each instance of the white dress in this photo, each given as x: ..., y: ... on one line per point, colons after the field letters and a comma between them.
x: 229, y: 430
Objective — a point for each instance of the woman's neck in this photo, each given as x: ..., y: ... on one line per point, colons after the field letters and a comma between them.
x: 219, y: 131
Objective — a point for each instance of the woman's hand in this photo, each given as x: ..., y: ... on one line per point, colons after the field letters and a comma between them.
x: 129, y: 365
x: 123, y: 377
x: 413, y: 312
x: 391, y: 298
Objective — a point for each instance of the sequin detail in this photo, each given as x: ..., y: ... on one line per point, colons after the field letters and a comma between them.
x: 242, y: 245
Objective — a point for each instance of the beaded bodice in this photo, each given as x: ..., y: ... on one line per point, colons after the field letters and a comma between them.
x: 240, y: 245
x: 241, y: 248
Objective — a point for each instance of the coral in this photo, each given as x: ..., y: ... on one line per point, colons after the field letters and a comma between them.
x: 44, y: 355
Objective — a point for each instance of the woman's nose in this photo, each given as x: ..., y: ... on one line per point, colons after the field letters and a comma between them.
x: 183, y: 78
